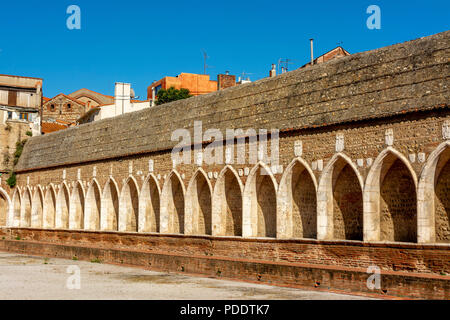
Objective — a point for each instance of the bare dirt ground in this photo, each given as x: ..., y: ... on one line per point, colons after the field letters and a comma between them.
x: 28, y: 277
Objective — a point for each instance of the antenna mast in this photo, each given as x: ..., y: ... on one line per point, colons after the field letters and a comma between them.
x: 205, y: 66
x: 284, y: 64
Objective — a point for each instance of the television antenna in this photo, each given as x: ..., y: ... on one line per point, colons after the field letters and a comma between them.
x: 245, y: 74
x: 205, y: 66
x: 284, y: 64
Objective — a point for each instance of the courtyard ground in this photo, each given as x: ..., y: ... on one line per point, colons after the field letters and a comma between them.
x: 29, y: 277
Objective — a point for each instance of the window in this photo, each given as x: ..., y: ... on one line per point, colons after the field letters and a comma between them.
x: 69, y: 107
x: 12, y: 98
x: 52, y: 107
x: 10, y: 114
x: 23, y: 116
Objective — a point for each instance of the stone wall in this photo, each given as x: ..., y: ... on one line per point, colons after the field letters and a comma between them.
x: 11, y: 132
x: 392, y: 80
x: 358, y: 193
x: 363, y: 150
x: 379, y: 177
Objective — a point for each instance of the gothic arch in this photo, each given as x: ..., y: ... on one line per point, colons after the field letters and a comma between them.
x: 339, y: 200
x: 92, y: 206
x: 172, y: 204
x: 76, y: 208
x: 129, y: 206
x: 25, y: 213
x: 198, y: 215
x: 109, y: 208
x: 149, y: 202
x: 5, y: 207
x: 259, y: 203
x: 62, y: 207
x: 227, y: 203
x: 390, y: 208
x: 296, y: 202
x: 17, y: 208
x: 49, y: 208
x: 37, y: 208
x: 433, y: 200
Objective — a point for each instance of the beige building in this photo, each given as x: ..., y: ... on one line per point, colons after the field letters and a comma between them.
x: 122, y: 103
x: 20, y: 103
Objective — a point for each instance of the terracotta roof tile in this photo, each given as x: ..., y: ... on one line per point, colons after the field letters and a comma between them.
x: 48, y: 127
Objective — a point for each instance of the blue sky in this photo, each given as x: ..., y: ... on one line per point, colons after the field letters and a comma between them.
x: 142, y: 41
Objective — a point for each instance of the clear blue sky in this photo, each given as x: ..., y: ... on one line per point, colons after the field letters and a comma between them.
x: 141, y: 41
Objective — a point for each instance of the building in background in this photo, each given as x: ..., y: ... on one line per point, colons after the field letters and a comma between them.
x: 336, y: 53
x: 197, y: 84
x: 20, y: 98
x: 91, y: 98
x: 123, y: 103
x: 20, y: 104
x: 63, y: 111
x: 52, y: 126
x: 225, y: 81
x: 63, y: 107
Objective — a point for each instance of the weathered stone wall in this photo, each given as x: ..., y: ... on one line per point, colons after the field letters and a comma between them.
x: 64, y: 108
x: 363, y: 152
x: 11, y: 132
x: 392, y: 80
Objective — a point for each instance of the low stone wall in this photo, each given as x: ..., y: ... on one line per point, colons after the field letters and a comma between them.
x: 408, y: 270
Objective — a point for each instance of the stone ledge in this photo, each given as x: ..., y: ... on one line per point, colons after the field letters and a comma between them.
x: 354, y: 243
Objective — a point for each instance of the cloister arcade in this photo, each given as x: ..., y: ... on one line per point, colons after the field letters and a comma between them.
x: 391, y: 204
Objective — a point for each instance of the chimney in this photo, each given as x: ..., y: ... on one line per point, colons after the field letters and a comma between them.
x: 225, y: 80
x: 122, y: 98
x: 312, y: 50
x: 273, y: 71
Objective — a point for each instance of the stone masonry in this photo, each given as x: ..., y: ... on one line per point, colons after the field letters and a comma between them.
x: 364, y: 149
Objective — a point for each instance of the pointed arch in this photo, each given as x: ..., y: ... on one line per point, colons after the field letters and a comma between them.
x: 259, y: 203
x: 25, y: 214
x: 110, y: 206
x: 296, y: 202
x: 37, y: 208
x: 433, y: 197
x: 172, y: 204
x: 390, y: 208
x: 92, y: 206
x: 62, y: 207
x: 17, y: 208
x: 339, y: 200
x: 227, y: 203
x: 198, y: 211
x: 5, y: 205
x: 49, y: 208
x: 129, y: 206
x: 149, y: 202
x: 76, y: 207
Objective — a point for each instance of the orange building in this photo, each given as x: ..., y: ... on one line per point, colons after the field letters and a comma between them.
x: 196, y: 83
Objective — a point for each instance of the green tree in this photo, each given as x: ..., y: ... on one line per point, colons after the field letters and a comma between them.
x: 171, y: 94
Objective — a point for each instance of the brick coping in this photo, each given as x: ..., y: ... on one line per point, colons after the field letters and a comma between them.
x: 357, y: 243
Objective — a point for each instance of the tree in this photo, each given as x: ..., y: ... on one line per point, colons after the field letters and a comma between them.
x: 171, y: 94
